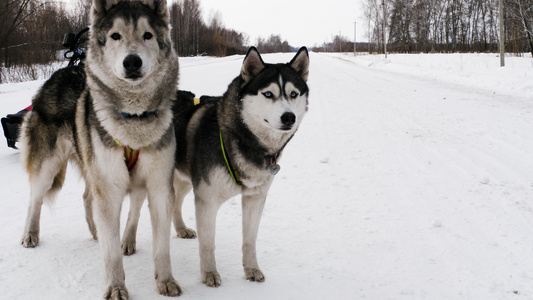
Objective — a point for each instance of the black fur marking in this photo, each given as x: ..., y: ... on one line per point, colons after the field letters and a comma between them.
x: 270, y: 75
x: 55, y: 105
x: 207, y: 140
x: 129, y: 11
x: 56, y: 101
x: 144, y: 115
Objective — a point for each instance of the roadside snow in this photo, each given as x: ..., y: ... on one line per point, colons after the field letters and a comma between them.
x: 479, y: 70
x: 410, y: 178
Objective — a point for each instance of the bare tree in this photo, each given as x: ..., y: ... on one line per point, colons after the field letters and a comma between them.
x: 273, y: 44
x: 435, y: 25
x: 373, y: 13
x: 520, y: 17
x: 81, y: 13
x: 14, y: 13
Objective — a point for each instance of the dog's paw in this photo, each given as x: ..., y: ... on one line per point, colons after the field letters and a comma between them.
x: 30, y: 240
x: 116, y: 293
x: 254, y: 275
x: 186, y: 233
x: 212, y: 279
x: 169, y: 288
x: 128, y: 249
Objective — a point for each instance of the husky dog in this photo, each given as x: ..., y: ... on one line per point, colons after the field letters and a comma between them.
x: 119, y: 110
x: 231, y: 145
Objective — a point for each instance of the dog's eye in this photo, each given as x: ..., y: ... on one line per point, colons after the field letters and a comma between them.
x: 147, y: 36
x: 294, y: 95
x: 268, y: 95
x: 116, y: 36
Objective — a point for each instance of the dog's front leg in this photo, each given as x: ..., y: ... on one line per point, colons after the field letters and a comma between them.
x: 160, y: 203
x: 107, y: 206
x: 88, y: 203
x: 129, y: 238
x: 182, y: 187
x: 206, y: 215
x: 252, y: 208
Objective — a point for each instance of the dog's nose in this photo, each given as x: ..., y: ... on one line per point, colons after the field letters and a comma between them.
x: 132, y: 63
x: 288, y: 119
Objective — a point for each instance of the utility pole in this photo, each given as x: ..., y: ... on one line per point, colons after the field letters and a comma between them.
x: 354, y: 38
x: 340, y: 42
x: 502, y: 36
x: 384, y: 33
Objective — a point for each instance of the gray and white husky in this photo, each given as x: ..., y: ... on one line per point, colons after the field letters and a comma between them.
x: 117, y: 110
x: 231, y: 145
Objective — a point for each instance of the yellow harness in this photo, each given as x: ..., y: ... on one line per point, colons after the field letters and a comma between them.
x: 131, y: 156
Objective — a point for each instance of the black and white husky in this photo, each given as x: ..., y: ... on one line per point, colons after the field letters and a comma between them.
x: 117, y: 110
x: 231, y: 145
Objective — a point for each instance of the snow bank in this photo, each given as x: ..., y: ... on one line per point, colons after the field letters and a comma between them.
x: 474, y: 71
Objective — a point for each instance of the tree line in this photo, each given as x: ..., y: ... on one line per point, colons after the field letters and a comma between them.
x: 192, y: 36
x: 31, y: 31
x: 448, y: 25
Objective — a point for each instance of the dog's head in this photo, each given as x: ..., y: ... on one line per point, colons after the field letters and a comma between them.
x: 132, y: 69
x: 274, y: 96
x: 129, y: 39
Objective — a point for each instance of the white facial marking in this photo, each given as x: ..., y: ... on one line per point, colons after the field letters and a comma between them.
x: 124, y: 40
x: 265, y: 110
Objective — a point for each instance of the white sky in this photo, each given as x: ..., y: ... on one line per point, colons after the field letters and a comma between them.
x: 300, y: 22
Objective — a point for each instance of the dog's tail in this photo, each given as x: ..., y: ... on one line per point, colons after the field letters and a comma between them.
x: 184, y: 102
x: 43, y: 155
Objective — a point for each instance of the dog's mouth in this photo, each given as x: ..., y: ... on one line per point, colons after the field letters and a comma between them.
x: 143, y: 115
x: 283, y: 127
x: 133, y: 76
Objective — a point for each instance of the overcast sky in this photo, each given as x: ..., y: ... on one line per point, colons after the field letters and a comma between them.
x: 300, y: 22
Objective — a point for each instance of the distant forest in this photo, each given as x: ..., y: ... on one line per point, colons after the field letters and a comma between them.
x: 449, y: 25
x: 414, y: 26
x: 31, y: 31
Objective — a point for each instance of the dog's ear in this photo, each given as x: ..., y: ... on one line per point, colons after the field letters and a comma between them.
x: 253, y: 65
x: 159, y: 7
x: 300, y: 63
x: 99, y: 9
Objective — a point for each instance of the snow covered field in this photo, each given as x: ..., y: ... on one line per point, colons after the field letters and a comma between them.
x: 410, y: 178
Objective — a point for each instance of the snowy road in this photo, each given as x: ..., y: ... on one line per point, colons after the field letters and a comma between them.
x: 396, y: 186
x: 436, y: 181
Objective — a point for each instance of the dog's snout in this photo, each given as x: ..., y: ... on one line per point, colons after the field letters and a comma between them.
x: 132, y: 63
x: 288, y: 119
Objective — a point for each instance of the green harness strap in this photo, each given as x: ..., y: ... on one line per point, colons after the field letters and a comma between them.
x: 233, y: 174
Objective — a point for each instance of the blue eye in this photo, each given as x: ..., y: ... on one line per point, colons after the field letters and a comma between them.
x: 269, y: 95
x: 294, y: 95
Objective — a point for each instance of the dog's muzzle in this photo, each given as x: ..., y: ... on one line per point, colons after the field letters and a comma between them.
x: 132, y: 66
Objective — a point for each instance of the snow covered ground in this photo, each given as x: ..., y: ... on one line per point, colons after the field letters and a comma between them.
x: 410, y: 178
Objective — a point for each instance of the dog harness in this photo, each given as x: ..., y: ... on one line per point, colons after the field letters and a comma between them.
x: 131, y: 156
x: 234, y: 175
x: 273, y: 167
